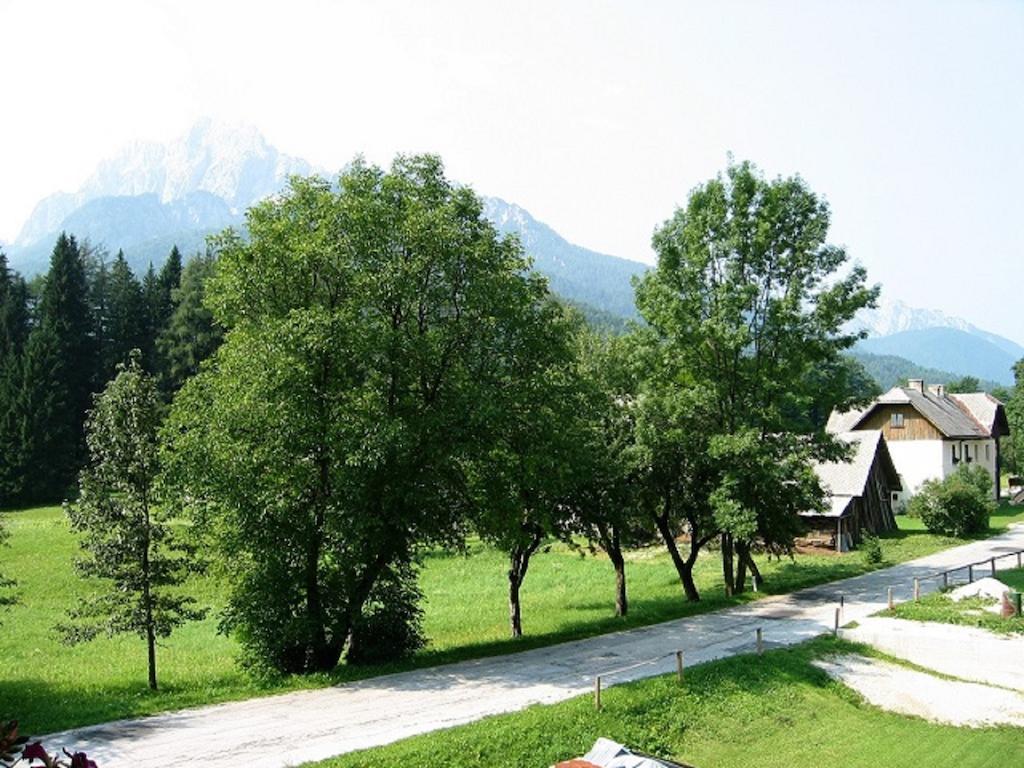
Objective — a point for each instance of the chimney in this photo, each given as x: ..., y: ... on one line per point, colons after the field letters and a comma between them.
x: 916, y: 384
x: 940, y: 390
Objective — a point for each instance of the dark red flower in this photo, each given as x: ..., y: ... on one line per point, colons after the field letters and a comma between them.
x: 35, y: 751
x: 81, y: 760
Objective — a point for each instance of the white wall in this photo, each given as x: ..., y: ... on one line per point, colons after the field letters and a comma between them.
x: 981, y: 452
x: 920, y: 460
x: 917, y: 461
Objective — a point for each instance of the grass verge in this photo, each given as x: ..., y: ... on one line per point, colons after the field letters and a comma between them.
x: 567, y: 596
x: 772, y: 711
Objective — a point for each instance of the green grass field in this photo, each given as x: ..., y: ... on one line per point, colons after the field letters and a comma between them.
x: 775, y: 711
x: 48, y: 686
x: 967, y: 613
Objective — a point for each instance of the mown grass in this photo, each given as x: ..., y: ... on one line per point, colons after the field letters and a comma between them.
x: 774, y: 711
x: 49, y: 686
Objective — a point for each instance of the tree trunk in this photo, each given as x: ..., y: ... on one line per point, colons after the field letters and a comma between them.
x: 741, y: 569
x: 519, y: 563
x: 147, y: 597
x: 354, y: 610
x: 612, y: 545
x: 318, y: 656
x: 151, y: 648
x: 728, y: 574
x: 515, y: 611
x: 748, y: 559
x: 684, y: 568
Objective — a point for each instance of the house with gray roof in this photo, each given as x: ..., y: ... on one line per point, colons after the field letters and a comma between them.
x: 930, y: 432
x: 859, y: 493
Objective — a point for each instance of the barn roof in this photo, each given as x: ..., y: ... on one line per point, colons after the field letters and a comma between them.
x: 844, y: 481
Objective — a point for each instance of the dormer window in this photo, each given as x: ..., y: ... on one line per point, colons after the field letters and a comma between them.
x: 896, y: 421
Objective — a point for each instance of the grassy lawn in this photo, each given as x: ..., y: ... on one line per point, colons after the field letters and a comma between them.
x: 968, y: 613
x: 775, y: 711
x: 48, y: 686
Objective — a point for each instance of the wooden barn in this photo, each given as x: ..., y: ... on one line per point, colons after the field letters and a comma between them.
x: 860, y: 493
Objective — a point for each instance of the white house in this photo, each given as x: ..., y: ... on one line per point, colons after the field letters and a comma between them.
x: 929, y: 432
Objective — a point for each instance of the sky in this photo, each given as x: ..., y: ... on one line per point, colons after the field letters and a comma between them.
x: 597, y: 117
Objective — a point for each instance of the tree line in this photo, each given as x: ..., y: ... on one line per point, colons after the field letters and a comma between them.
x: 394, y: 378
x: 62, y: 337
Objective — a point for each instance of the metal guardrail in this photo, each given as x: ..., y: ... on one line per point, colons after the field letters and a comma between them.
x: 990, y: 562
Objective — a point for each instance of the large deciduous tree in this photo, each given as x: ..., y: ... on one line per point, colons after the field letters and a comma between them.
x: 605, y: 484
x: 130, y: 545
x: 523, y: 481
x: 328, y: 439
x: 747, y: 309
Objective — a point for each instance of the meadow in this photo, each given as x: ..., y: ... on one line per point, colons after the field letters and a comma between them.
x: 771, y: 711
x: 568, y: 594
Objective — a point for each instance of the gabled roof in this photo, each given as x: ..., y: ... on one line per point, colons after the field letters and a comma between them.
x: 844, y: 480
x: 986, y: 410
x: 969, y: 416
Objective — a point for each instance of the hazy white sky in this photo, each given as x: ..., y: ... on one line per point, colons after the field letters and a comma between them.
x: 598, y: 117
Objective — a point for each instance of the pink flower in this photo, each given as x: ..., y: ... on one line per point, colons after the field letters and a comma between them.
x: 35, y: 752
x: 81, y: 760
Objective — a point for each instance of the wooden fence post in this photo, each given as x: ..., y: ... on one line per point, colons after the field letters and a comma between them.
x: 993, y: 567
x: 679, y: 665
x: 760, y: 642
x: 835, y: 628
x: 1018, y: 560
x: 597, y: 693
x: 970, y: 574
x: 890, y: 599
x: 945, y: 579
x: 917, y: 589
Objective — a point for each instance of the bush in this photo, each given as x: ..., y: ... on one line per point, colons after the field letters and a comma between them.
x: 978, y: 476
x: 392, y: 620
x: 956, y: 506
x: 871, y: 546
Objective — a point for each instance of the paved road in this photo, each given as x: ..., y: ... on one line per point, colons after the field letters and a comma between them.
x: 293, y: 728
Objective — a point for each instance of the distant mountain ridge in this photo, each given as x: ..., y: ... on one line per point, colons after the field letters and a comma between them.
x: 149, y: 197
x: 949, y: 349
x: 577, y: 273
x: 230, y: 162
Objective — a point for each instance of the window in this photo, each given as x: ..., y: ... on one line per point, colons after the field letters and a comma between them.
x: 967, y: 454
x: 896, y: 421
x: 988, y: 452
x: 956, y: 459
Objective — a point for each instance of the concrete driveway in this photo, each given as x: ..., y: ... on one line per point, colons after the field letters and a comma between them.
x: 297, y: 727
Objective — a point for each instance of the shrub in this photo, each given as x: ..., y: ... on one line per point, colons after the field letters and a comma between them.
x: 871, y: 546
x: 391, y: 624
x: 956, y: 506
x: 978, y: 476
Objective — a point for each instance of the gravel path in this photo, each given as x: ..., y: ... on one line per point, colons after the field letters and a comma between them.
x: 909, y: 692
x: 288, y: 729
x: 968, y: 653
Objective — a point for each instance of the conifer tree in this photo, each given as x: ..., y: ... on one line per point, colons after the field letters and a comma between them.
x: 59, y: 371
x: 167, y: 282
x: 191, y: 334
x: 130, y: 548
x: 126, y: 321
x: 14, y: 328
x: 150, y: 329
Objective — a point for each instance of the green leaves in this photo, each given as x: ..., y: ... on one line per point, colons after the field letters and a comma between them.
x: 746, y: 311
x: 375, y: 331
x: 130, y: 546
